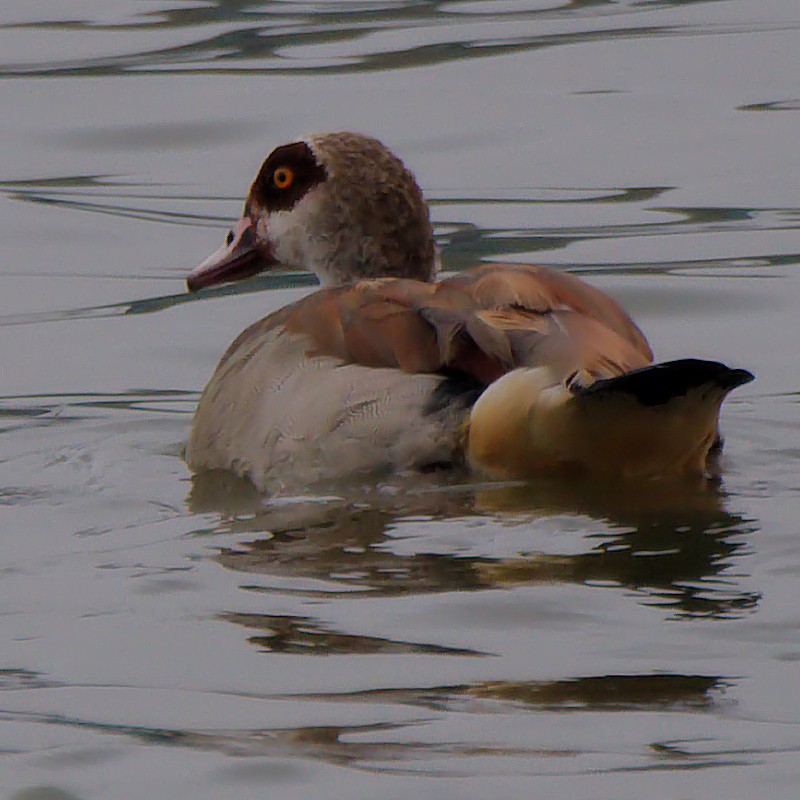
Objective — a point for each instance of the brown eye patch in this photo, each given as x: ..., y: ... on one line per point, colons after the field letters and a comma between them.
x: 285, y: 176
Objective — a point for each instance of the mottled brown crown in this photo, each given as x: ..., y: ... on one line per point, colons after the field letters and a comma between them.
x: 362, y: 212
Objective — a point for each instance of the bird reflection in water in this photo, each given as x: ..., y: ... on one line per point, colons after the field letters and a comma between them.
x: 673, y: 543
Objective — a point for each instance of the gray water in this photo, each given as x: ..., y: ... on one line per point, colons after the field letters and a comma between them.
x: 164, y: 637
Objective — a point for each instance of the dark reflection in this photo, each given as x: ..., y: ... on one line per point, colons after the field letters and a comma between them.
x: 109, y: 196
x: 353, y: 746
x: 352, y: 11
x: 335, y: 539
x: 461, y: 244
x: 774, y: 105
x: 304, y: 636
x: 56, y: 409
x: 453, y: 260
x: 618, y: 692
x: 260, y: 38
x: 151, y: 305
x: 468, y: 241
x: 16, y: 679
x: 20, y: 415
x: 99, y: 194
x: 673, y: 544
x: 396, y: 747
x: 592, y: 693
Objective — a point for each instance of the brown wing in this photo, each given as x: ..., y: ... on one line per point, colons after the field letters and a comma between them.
x: 482, y: 322
x: 374, y: 323
x: 542, y: 289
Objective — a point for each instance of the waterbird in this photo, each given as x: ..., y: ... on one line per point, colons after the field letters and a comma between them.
x: 511, y: 371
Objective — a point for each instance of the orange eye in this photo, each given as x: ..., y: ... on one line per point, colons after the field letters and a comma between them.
x: 283, y: 177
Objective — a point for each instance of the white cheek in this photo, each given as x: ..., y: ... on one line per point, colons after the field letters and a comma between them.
x: 282, y: 232
x: 301, y: 237
x: 291, y: 233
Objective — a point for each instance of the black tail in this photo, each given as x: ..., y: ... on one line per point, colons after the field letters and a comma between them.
x: 661, y: 383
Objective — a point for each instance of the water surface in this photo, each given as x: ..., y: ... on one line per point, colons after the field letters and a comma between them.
x: 165, y: 636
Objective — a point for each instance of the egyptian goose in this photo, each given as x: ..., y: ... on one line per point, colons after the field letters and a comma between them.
x: 511, y: 370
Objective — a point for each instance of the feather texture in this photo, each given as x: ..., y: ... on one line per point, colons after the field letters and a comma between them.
x: 512, y: 369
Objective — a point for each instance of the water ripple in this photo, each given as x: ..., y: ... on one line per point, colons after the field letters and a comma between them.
x: 462, y: 244
x: 370, y: 730
x: 310, y: 38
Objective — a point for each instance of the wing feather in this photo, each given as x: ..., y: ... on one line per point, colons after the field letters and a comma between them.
x: 482, y: 322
